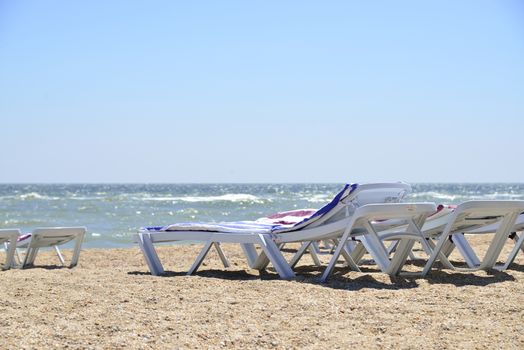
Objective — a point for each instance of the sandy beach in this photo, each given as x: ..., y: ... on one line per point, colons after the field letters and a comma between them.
x: 111, y: 301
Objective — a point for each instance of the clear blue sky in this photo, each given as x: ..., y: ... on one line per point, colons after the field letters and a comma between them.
x: 261, y: 91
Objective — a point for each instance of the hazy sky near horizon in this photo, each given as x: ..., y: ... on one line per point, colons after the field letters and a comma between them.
x: 261, y: 91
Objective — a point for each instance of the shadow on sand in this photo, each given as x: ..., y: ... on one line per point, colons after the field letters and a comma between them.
x: 342, y: 279
x: 48, y: 267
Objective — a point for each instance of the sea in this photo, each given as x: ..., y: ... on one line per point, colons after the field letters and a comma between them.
x: 112, y: 213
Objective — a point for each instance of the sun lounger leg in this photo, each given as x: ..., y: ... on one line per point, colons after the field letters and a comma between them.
x: 256, y: 261
x: 200, y: 257
x: 25, y: 260
x: 404, y: 248
x: 10, y: 252
x: 251, y: 253
x: 276, y: 258
x: 349, y: 261
x: 358, y: 252
x: 465, y: 250
x: 18, y: 257
x: 392, y: 247
x: 262, y: 261
x: 338, y: 250
x: 412, y: 256
x: 351, y: 245
x: 347, y: 256
x: 30, y: 256
x: 33, y: 256
x: 445, y: 251
x: 501, y: 236
x: 7, y: 263
x: 76, y: 252
x: 333, y: 246
x: 314, y: 256
x: 221, y: 254
x: 519, y: 245
x: 437, y: 251
x: 375, y: 248
x: 59, y: 255
x: 296, y: 258
x: 516, y: 240
x: 316, y: 247
x: 150, y: 255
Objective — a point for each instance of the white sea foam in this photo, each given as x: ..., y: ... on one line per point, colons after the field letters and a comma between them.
x: 436, y: 195
x: 318, y: 198
x: 501, y: 196
x: 234, y: 197
x: 76, y: 198
x: 36, y: 195
x: 465, y: 197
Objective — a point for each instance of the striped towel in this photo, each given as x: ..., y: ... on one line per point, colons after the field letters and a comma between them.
x: 290, y: 217
x: 24, y: 237
x: 226, y: 227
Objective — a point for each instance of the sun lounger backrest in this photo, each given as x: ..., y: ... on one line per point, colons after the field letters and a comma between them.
x: 351, y: 197
x: 474, y: 214
x: 379, y: 193
x: 46, y: 237
x: 373, y: 193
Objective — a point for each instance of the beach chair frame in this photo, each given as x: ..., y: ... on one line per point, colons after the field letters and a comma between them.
x: 52, y: 237
x: 353, y: 196
x: 479, y: 213
x: 481, y: 217
x: 373, y: 193
x: 270, y: 242
x: 8, y: 238
x: 413, y: 213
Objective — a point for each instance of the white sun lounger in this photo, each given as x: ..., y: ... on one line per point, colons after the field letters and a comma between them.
x: 331, y: 221
x: 362, y: 225
x: 485, y: 213
x: 51, y: 237
x: 8, y: 238
x: 365, y: 194
x: 473, y: 217
x: 252, y: 227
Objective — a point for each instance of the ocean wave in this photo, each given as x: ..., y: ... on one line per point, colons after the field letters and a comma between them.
x: 318, y: 198
x: 235, y: 197
x: 436, y: 195
x: 76, y: 198
x: 22, y: 222
x: 461, y: 197
x: 499, y: 196
x: 36, y: 195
